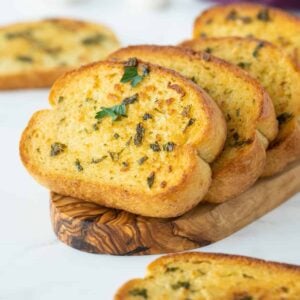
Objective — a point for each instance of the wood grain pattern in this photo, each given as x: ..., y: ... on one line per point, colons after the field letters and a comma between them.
x: 92, y: 228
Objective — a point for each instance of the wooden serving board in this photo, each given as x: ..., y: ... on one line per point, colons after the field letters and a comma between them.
x: 92, y: 228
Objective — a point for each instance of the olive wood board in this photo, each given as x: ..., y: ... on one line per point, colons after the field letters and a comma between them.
x: 96, y: 229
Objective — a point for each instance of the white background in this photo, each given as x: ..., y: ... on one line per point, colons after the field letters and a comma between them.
x: 33, y: 264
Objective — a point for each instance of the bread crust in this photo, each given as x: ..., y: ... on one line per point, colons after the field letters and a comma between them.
x: 173, y: 201
x: 283, y: 151
x: 233, y: 176
x: 44, y: 77
x: 155, y: 266
x: 285, y: 20
x: 29, y: 80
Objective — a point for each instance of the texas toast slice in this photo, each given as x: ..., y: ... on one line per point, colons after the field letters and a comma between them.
x: 278, y: 74
x: 249, y: 113
x: 203, y: 276
x: 118, y: 135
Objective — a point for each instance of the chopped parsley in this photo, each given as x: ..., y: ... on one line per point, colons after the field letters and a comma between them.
x: 147, y: 116
x: 139, y: 292
x: 264, y: 15
x: 57, y: 148
x: 140, y: 132
x: 169, y: 147
x: 181, y: 284
x: 98, y: 160
x: 25, y: 59
x: 116, y: 111
x: 150, y: 179
x: 142, y: 160
x: 78, y: 165
x: 131, y: 72
x: 259, y: 46
x: 93, y: 40
x: 155, y: 147
x: 189, y: 123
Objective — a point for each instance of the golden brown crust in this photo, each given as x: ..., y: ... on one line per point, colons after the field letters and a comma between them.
x: 234, y: 173
x: 283, y: 151
x: 154, y: 268
x: 39, y: 76
x: 28, y: 80
x: 173, y: 200
x: 245, y: 260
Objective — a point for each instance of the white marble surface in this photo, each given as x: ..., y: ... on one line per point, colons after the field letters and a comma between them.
x: 33, y: 264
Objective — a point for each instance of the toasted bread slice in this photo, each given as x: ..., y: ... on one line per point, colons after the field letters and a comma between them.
x: 203, y: 276
x: 250, y: 115
x: 278, y: 74
x: 246, y: 19
x: 35, y: 54
x: 116, y: 135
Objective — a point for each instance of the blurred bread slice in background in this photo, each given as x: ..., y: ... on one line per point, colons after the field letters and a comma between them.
x: 35, y: 54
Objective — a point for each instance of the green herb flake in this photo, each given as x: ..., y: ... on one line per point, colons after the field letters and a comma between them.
x: 189, y: 124
x: 150, y: 179
x: 232, y: 16
x: 131, y: 72
x: 140, y: 132
x: 115, y: 156
x: 181, y: 284
x: 259, y: 46
x: 116, y: 135
x: 186, y: 111
x: 128, y: 142
x: 130, y: 100
x: 284, y: 118
x: 57, y: 148
x: 93, y: 40
x: 25, y: 59
x: 169, y: 147
x: 96, y: 126
x: 78, y: 165
x: 98, y: 160
x: 114, y: 112
x: 244, y: 65
x: 155, y: 147
x: 147, y: 116
x: 139, y: 293
x: 264, y: 15
x: 142, y: 160
x: 18, y: 34
x: 125, y: 164
x: 171, y: 269
x: 208, y: 50
x: 60, y: 99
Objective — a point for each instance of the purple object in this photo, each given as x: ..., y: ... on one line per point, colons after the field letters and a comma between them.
x: 279, y: 3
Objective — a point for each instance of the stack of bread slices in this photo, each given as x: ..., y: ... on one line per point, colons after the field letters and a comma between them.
x: 155, y: 130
